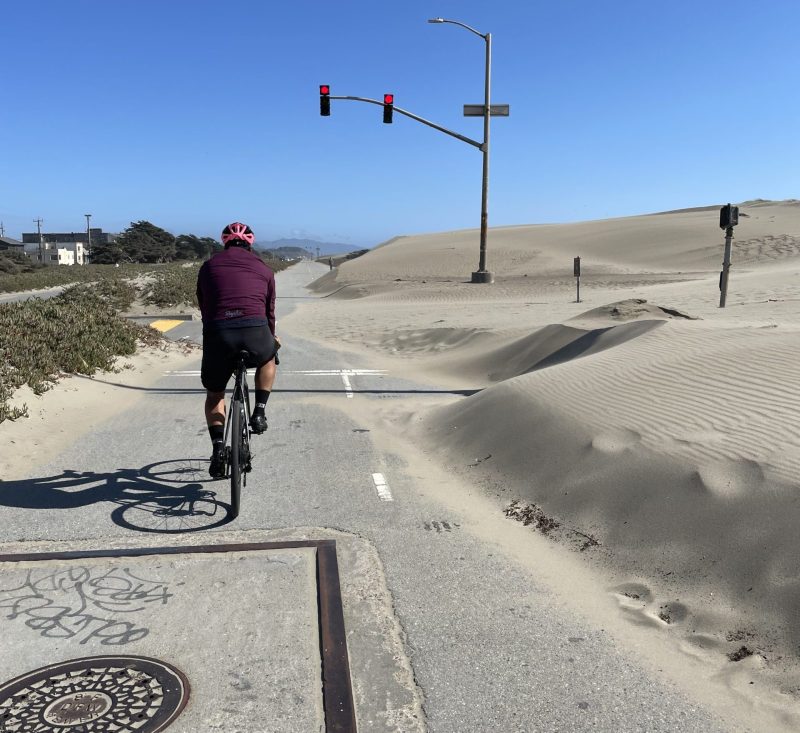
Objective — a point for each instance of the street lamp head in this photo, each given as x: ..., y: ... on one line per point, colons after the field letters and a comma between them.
x: 436, y: 20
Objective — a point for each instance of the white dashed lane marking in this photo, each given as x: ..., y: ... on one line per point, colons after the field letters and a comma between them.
x: 384, y: 494
x: 348, y: 388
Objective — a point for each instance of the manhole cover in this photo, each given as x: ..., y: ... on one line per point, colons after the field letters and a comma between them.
x: 94, y: 695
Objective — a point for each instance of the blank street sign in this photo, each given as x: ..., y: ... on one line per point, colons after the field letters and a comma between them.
x: 495, y: 110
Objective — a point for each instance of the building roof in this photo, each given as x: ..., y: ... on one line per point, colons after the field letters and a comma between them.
x: 11, y: 242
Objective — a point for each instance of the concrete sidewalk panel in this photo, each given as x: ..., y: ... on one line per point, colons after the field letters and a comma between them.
x: 242, y: 626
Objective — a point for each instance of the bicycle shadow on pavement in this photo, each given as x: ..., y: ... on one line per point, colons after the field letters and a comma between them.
x: 168, y: 497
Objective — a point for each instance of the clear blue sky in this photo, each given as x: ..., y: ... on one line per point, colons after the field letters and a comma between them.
x: 192, y: 113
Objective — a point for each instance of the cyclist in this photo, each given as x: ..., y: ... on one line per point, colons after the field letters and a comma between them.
x: 236, y: 294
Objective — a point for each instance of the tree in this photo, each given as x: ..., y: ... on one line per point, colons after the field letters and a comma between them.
x: 192, y: 247
x: 104, y: 253
x: 212, y: 244
x: 145, y: 242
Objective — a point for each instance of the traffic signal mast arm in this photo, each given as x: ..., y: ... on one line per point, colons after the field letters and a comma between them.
x: 456, y: 135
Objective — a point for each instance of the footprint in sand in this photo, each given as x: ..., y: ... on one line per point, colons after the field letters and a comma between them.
x: 672, y: 612
x: 616, y: 441
x: 635, y: 600
x: 638, y: 602
x: 633, y: 592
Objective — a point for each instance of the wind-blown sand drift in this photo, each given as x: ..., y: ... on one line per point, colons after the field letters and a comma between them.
x: 667, y: 432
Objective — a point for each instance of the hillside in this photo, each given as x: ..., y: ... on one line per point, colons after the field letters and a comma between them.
x: 293, y: 248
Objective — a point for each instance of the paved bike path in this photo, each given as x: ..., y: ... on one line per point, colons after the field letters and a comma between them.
x: 242, y: 627
x: 491, y: 650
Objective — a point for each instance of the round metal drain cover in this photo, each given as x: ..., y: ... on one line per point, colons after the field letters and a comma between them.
x: 94, y: 695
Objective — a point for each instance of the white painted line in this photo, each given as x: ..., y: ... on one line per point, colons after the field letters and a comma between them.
x: 337, y: 371
x: 309, y: 372
x: 190, y: 373
x: 382, y: 487
x: 345, y: 374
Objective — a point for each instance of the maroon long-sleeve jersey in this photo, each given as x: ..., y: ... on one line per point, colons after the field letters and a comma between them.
x: 236, y: 289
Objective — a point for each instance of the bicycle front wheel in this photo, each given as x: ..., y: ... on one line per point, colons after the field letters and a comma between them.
x: 238, y: 425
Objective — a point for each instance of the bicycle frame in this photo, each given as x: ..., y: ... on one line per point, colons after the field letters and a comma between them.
x: 238, y: 454
x: 241, y: 394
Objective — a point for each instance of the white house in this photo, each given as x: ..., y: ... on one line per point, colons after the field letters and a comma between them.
x: 53, y: 253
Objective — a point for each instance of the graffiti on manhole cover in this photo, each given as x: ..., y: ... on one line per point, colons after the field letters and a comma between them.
x: 94, y: 695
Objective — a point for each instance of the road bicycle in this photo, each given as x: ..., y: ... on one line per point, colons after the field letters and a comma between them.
x: 237, y: 453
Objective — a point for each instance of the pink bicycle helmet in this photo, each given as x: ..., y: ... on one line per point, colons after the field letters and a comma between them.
x: 238, y: 232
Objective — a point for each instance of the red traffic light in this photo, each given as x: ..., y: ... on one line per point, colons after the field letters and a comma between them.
x: 325, y: 100
x: 388, y: 108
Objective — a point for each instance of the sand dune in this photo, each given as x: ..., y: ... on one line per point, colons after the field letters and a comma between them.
x: 670, y: 242
x: 645, y: 417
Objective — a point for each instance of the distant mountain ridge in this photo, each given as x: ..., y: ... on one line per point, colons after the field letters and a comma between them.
x: 292, y: 248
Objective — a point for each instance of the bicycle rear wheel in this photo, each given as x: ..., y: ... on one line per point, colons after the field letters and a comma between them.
x: 238, y: 459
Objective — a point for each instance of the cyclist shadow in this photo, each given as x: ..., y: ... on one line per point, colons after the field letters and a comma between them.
x: 168, y: 497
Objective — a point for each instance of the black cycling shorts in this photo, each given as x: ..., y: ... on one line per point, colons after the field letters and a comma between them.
x: 221, y: 347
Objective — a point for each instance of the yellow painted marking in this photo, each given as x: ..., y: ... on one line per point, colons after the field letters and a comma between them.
x: 164, y: 326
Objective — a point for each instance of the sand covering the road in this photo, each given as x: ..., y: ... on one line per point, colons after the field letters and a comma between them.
x: 77, y: 404
x: 668, y: 431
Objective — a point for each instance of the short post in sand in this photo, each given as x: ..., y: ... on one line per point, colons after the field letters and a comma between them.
x: 576, y: 270
x: 728, y: 219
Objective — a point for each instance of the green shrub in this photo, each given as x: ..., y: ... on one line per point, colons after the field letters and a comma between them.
x: 173, y: 285
x: 15, y: 263
x: 119, y: 294
x: 78, y: 332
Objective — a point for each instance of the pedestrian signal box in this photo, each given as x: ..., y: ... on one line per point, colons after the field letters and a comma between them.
x: 728, y: 216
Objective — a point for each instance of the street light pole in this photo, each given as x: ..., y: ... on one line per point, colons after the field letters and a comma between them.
x: 482, y: 275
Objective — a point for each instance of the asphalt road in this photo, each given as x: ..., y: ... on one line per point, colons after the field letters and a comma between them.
x: 489, y: 647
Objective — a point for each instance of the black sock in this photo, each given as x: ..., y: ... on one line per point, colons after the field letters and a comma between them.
x: 262, y: 395
x: 217, y: 433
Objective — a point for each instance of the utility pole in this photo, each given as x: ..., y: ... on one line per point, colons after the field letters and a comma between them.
x: 88, y: 237
x: 2, y: 230
x: 41, y: 243
x: 317, y: 252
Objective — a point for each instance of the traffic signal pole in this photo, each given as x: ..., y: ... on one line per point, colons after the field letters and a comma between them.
x: 482, y: 276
